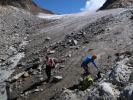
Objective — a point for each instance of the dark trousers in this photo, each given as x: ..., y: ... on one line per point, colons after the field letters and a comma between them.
x: 48, y: 72
x: 85, y: 67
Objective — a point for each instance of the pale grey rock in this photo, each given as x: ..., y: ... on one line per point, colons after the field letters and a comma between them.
x: 120, y: 74
x: 127, y: 93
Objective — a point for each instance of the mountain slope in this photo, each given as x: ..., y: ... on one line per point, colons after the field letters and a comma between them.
x: 66, y: 38
x: 27, y: 5
x: 117, y: 4
x: 108, y: 32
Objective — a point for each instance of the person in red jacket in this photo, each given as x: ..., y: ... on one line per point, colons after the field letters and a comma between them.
x: 49, y: 65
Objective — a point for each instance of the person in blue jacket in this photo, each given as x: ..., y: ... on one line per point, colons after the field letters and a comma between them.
x: 87, y: 60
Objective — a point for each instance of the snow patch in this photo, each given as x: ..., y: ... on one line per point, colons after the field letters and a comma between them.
x: 46, y: 16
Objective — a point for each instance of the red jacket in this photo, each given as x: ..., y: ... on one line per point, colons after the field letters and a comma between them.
x: 50, y: 62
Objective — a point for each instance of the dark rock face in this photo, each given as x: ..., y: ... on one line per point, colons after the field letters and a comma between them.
x: 25, y: 4
x: 116, y: 4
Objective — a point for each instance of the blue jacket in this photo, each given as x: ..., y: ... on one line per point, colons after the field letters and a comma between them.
x: 87, y: 60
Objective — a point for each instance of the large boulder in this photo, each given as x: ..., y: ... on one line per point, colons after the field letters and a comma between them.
x: 127, y: 93
x: 102, y: 91
x: 70, y: 95
x: 105, y: 91
x: 111, y: 4
x: 120, y: 74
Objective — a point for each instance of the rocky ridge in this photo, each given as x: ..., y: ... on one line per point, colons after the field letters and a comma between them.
x: 28, y: 5
x: 109, y: 4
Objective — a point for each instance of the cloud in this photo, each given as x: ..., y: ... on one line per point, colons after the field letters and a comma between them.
x: 93, y: 5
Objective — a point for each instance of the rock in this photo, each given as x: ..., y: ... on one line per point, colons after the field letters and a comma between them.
x: 120, y: 74
x: 74, y: 47
x: 69, y: 41
x: 104, y: 91
x: 108, y: 89
x: 57, y: 78
x: 80, y: 33
x: 75, y: 42
x: 48, y: 39
x: 51, y: 52
x: 67, y: 95
x: 35, y: 72
x: 33, y: 65
x: 61, y: 66
x: 11, y: 51
x: 26, y: 74
x: 124, y: 61
x: 69, y: 55
x: 2, y: 60
x: 30, y: 70
x: 40, y: 68
x: 27, y: 93
x: 17, y: 76
x: 41, y: 89
x: 127, y: 93
x: 41, y: 78
x: 84, y: 33
x: 36, y: 90
x: 131, y: 77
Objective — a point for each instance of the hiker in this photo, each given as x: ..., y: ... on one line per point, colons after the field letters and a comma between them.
x: 86, y: 61
x: 49, y: 65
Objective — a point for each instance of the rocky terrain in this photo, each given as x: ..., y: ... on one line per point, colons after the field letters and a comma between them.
x: 117, y: 4
x: 26, y: 39
x: 28, y: 5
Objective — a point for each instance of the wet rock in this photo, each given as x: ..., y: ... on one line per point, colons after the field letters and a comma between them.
x: 127, y: 93
x: 57, y: 78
